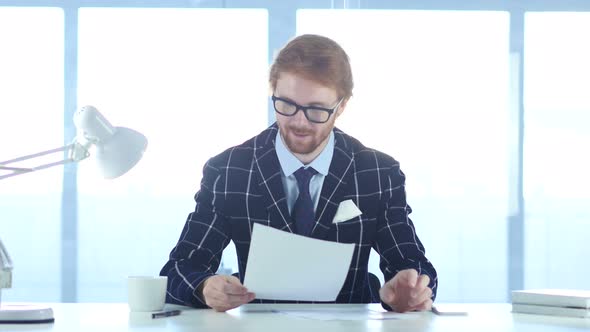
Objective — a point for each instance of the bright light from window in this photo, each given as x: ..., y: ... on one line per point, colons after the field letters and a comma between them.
x: 31, y: 120
x: 557, y: 137
x: 431, y: 89
x: 194, y: 81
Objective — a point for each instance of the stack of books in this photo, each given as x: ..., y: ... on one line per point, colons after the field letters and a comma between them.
x: 557, y: 302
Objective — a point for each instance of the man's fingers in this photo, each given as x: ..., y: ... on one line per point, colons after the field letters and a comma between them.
x: 421, y: 285
x: 234, y: 289
x: 410, y: 276
x: 233, y: 280
x: 406, y: 277
x: 420, y: 297
x: 423, y: 281
x: 421, y: 292
x: 223, y: 293
x: 387, y: 294
x: 424, y: 306
x: 232, y: 292
x: 228, y: 285
x: 224, y: 302
x: 402, y: 281
x: 231, y: 298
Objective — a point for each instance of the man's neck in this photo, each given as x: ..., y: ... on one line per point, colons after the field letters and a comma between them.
x: 307, y: 158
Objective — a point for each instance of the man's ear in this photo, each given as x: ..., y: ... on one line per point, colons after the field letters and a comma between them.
x: 341, y: 107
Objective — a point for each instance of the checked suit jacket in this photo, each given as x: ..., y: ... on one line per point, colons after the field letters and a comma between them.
x: 243, y: 186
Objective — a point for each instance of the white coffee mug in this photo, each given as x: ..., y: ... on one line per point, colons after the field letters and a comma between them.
x: 145, y: 293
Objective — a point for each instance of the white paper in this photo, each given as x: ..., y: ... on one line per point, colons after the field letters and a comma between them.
x: 327, y: 312
x: 287, y: 266
x: 349, y: 315
x: 346, y: 211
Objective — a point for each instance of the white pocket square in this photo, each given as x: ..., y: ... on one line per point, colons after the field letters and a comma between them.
x: 346, y: 211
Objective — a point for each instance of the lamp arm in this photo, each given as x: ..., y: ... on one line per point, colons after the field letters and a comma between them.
x: 76, y: 151
x: 5, y: 268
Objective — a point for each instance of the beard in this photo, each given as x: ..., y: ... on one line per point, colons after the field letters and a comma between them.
x: 304, y: 140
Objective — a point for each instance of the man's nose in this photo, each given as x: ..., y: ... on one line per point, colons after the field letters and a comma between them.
x: 300, y: 117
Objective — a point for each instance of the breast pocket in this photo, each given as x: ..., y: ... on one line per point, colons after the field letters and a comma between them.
x: 359, y: 230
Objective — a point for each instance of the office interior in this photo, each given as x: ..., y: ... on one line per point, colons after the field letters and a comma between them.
x: 486, y: 105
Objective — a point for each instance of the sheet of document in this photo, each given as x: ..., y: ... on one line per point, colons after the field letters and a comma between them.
x: 323, y: 312
x: 335, y: 314
x: 286, y: 266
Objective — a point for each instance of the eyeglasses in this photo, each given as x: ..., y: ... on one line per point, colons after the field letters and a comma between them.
x: 314, y: 114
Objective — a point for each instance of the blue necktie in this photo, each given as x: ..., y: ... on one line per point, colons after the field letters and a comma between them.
x: 303, y: 211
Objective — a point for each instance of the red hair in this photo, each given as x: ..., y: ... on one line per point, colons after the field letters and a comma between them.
x: 315, y: 58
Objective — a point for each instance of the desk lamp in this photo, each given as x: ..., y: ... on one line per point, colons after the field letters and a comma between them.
x: 117, y: 150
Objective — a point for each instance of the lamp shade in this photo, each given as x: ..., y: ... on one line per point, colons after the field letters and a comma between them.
x: 120, y: 152
x: 118, y: 149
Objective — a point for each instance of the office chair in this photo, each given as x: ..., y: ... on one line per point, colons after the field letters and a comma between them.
x: 374, y: 287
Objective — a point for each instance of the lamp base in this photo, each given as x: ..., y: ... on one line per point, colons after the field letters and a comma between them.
x: 25, y: 314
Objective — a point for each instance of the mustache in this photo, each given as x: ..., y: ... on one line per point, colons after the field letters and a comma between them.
x: 300, y: 130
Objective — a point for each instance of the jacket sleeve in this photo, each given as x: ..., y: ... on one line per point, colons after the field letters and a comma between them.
x: 398, y: 245
x: 197, y: 254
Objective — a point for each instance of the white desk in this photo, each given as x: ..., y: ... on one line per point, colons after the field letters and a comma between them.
x: 116, y: 317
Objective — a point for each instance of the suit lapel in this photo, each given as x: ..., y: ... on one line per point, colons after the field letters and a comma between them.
x: 266, y: 164
x: 335, y: 184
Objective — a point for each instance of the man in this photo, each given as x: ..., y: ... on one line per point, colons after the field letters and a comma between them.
x: 292, y: 177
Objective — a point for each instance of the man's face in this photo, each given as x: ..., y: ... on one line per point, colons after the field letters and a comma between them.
x: 305, y: 139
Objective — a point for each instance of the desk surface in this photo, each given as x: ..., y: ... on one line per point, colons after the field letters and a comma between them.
x: 114, y: 317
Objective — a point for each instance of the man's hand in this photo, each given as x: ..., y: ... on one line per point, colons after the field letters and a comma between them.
x: 407, y: 291
x: 223, y: 293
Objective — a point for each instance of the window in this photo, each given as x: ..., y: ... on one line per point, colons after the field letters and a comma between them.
x: 180, y: 76
x: 557, y: 136
x: 31, y: 121
x: 431, y: 90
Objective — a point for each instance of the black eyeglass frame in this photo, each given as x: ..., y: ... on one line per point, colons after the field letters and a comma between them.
x: 298, y: 107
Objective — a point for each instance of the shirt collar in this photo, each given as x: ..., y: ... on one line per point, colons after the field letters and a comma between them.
x: 290, y: 163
